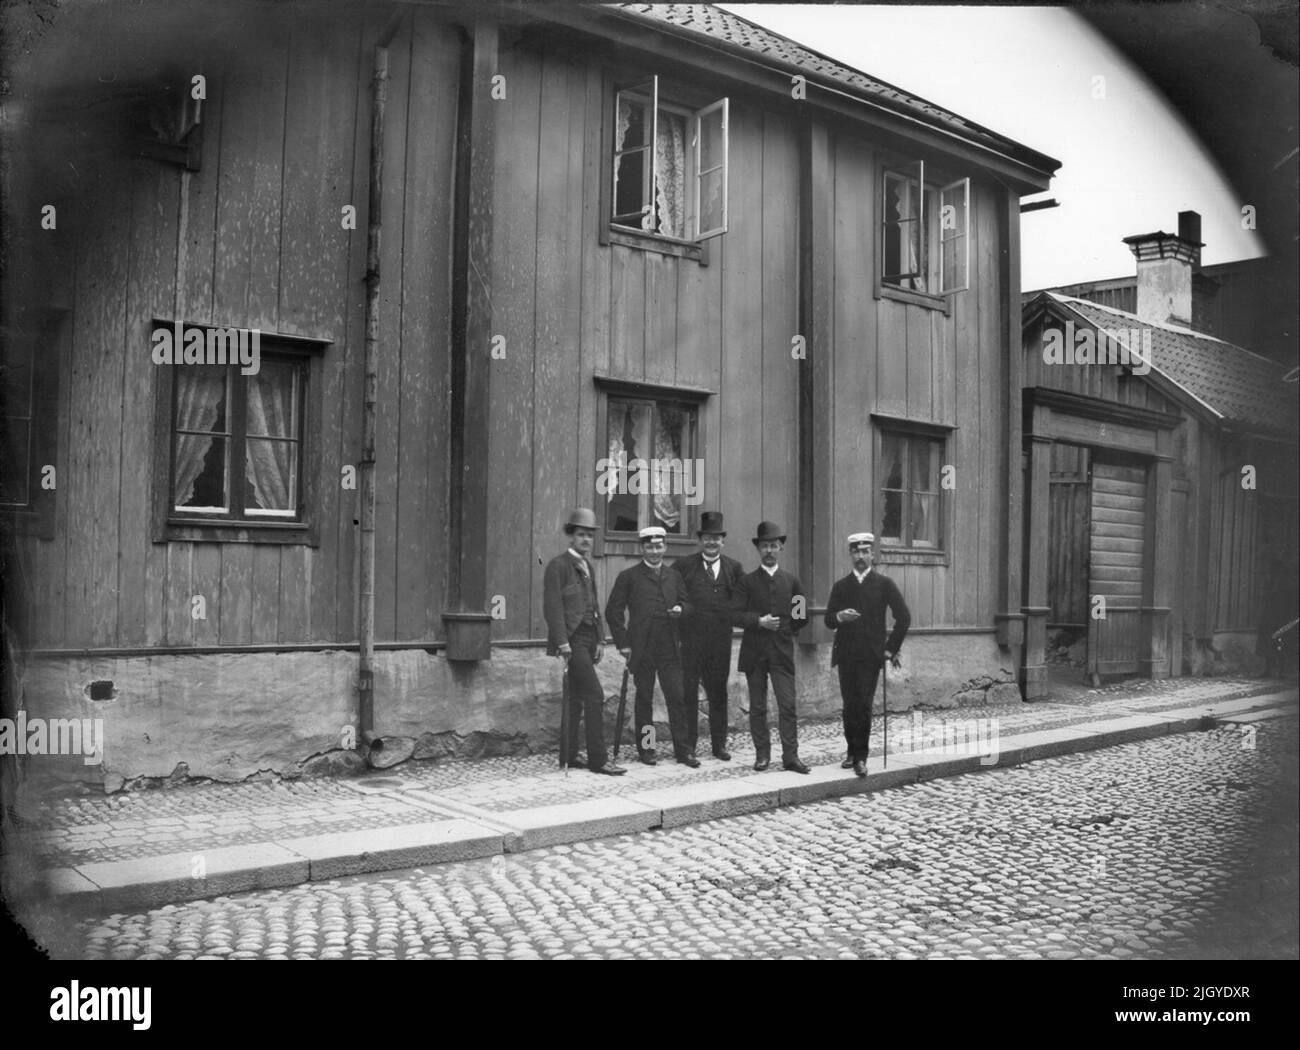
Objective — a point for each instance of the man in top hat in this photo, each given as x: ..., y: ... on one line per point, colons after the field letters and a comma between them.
x: 573, y: 633
x: 711, y: 579
x: 856, y: 613
x: 769, y: 604
x: 654, y: 597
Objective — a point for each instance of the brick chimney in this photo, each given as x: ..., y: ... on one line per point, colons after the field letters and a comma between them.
x: 1165, y: 264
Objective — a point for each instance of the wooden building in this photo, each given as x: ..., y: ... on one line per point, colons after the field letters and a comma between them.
x: 653, y: 232
x: 1161, y: 493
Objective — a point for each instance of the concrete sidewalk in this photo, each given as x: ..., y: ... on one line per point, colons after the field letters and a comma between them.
x: 148, y: 848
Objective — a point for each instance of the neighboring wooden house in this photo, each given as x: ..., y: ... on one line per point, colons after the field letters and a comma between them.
x: 1161, y: 479
x: 1249, y: 302
x: 659, y: 231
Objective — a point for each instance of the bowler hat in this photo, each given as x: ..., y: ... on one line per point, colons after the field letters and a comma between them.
x: 711, y: 521
x: 580, y: 518
x: 768, y: 530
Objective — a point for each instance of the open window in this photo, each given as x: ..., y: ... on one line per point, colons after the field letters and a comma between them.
x: 669, y: 167
x: 924, y: 233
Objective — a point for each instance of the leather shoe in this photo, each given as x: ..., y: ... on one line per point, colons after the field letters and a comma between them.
x: 690, y: 760
x: 610, y: 770
x: 796, y: 766
x: 860, y: 767
x: 649, y: 758
x: 762, y: 763
x: 847, y: 763
x: 721, y: 754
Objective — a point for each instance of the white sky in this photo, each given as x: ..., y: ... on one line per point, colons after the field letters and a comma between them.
x: 1128, y: 162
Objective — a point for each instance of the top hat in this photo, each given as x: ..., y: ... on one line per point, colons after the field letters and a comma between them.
x: 768, y: 530
x: 711, y: 521
x: 580, y: 518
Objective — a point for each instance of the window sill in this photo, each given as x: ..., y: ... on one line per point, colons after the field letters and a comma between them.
x: 903, y: 295
x: 910, y: 556
x: 654, y: 242
x: 200, y: 531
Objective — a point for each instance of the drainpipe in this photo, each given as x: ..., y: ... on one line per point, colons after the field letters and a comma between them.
x: 374, y: 228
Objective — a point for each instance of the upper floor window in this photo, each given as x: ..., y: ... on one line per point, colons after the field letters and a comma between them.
x: 669, y: 165
x: 925, y: 233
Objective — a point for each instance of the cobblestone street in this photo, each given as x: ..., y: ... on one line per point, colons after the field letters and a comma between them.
x: 1181, y: 847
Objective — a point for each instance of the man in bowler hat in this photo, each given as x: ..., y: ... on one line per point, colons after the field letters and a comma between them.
x: 573, y: 633
x: 654, y: 597
x: 769, y: 604
x: 856, y: 613
x: 711, y: 579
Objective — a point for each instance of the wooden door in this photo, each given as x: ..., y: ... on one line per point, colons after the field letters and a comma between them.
x: 1115, y: 567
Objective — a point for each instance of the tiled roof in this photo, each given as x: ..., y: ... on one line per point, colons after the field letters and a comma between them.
x: 712, y: 22
x: 1236, y: 385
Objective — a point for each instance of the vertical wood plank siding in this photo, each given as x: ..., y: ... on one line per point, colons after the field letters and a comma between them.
x: 261, y: 244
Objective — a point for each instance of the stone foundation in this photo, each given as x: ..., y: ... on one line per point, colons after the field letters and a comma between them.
x: 231, y: 716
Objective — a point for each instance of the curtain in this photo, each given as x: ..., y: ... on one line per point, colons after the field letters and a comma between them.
x: 269, y: 465
x: 200, y: 398
x: 670, y: 164
x: 668, y: 480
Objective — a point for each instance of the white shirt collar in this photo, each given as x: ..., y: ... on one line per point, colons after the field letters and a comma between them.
x: 770, y: 572
x: 864, y: 575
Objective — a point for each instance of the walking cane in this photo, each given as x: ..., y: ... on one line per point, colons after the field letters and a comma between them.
x: 564, y: 719
x: 885, y: 714
x: 622, y: 710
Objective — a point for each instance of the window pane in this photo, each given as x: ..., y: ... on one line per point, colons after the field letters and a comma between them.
x: 670, y: 171
x: 630, y: 448
x: 712, y: 211
x: 925, y: 466
x: 925, y: 520
x: 271, y: 476
x: 891, y: 526
x: 671, y: 440
x: 273, y: 400
x: 891, y: 461
x: 632, y: 145
x: 202, y: 485
x: 199, y: 471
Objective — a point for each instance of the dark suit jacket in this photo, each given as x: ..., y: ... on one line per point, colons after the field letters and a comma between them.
x: 565, y: 601
x: 642, y: 594
x: 759, y: 595
x: 855, y: 641
x: 710, y: 599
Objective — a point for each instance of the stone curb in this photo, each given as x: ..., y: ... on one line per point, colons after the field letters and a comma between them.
x: 171, y: 878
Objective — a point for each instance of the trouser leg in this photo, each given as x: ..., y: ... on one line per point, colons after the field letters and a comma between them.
x: 643, y: 706
x: 716, y: 669
x: 586, y: 700
x: 692, y: 658
x: 783, y: 686
x: 757, y: 681
x: 857, y: 688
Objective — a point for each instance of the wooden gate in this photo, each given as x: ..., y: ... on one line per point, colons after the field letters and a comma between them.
x: 1115, y: 568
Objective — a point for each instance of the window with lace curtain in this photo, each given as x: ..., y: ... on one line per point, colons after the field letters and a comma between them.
x: 651, y: 450
x: 236, y: 456
x: 924, y: 233
x: 237, y: 441
x: 669, y: 166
